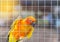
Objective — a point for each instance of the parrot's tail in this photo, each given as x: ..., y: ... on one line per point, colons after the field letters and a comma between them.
x: 10, y: 38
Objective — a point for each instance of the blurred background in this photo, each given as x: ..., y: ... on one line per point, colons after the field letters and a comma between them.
x: 47, y: 13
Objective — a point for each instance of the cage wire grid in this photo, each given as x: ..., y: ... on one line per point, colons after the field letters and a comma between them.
x: 41, y: 34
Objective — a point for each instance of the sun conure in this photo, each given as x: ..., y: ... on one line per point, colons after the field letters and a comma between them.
x: 21, y: 28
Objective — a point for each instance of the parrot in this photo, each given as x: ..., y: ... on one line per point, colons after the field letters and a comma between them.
x: 21, y: 28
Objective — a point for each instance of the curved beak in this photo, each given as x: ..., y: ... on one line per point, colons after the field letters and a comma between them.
x: 33, y: 24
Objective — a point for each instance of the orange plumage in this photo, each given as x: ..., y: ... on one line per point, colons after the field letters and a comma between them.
x: 22, y: 27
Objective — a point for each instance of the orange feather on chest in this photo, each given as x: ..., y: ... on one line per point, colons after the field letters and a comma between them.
x: 19, y: 30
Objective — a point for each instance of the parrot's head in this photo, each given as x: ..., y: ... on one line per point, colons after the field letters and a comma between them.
x: 30, y: 20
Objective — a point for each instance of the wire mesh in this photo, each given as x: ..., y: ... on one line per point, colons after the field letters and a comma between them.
x: 46, y: 12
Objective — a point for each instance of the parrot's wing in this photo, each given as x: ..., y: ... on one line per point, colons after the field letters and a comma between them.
x: 11, y: 38
x: 13, y: 24
x: 30, y: 33
x: 12, y: 27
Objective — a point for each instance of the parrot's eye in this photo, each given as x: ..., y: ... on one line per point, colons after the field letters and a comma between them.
x: 30, y: 20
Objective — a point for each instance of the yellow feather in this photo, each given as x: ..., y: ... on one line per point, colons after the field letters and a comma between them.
x: 30, y: 33
x: 11, y: 38
x: 23, y: 30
